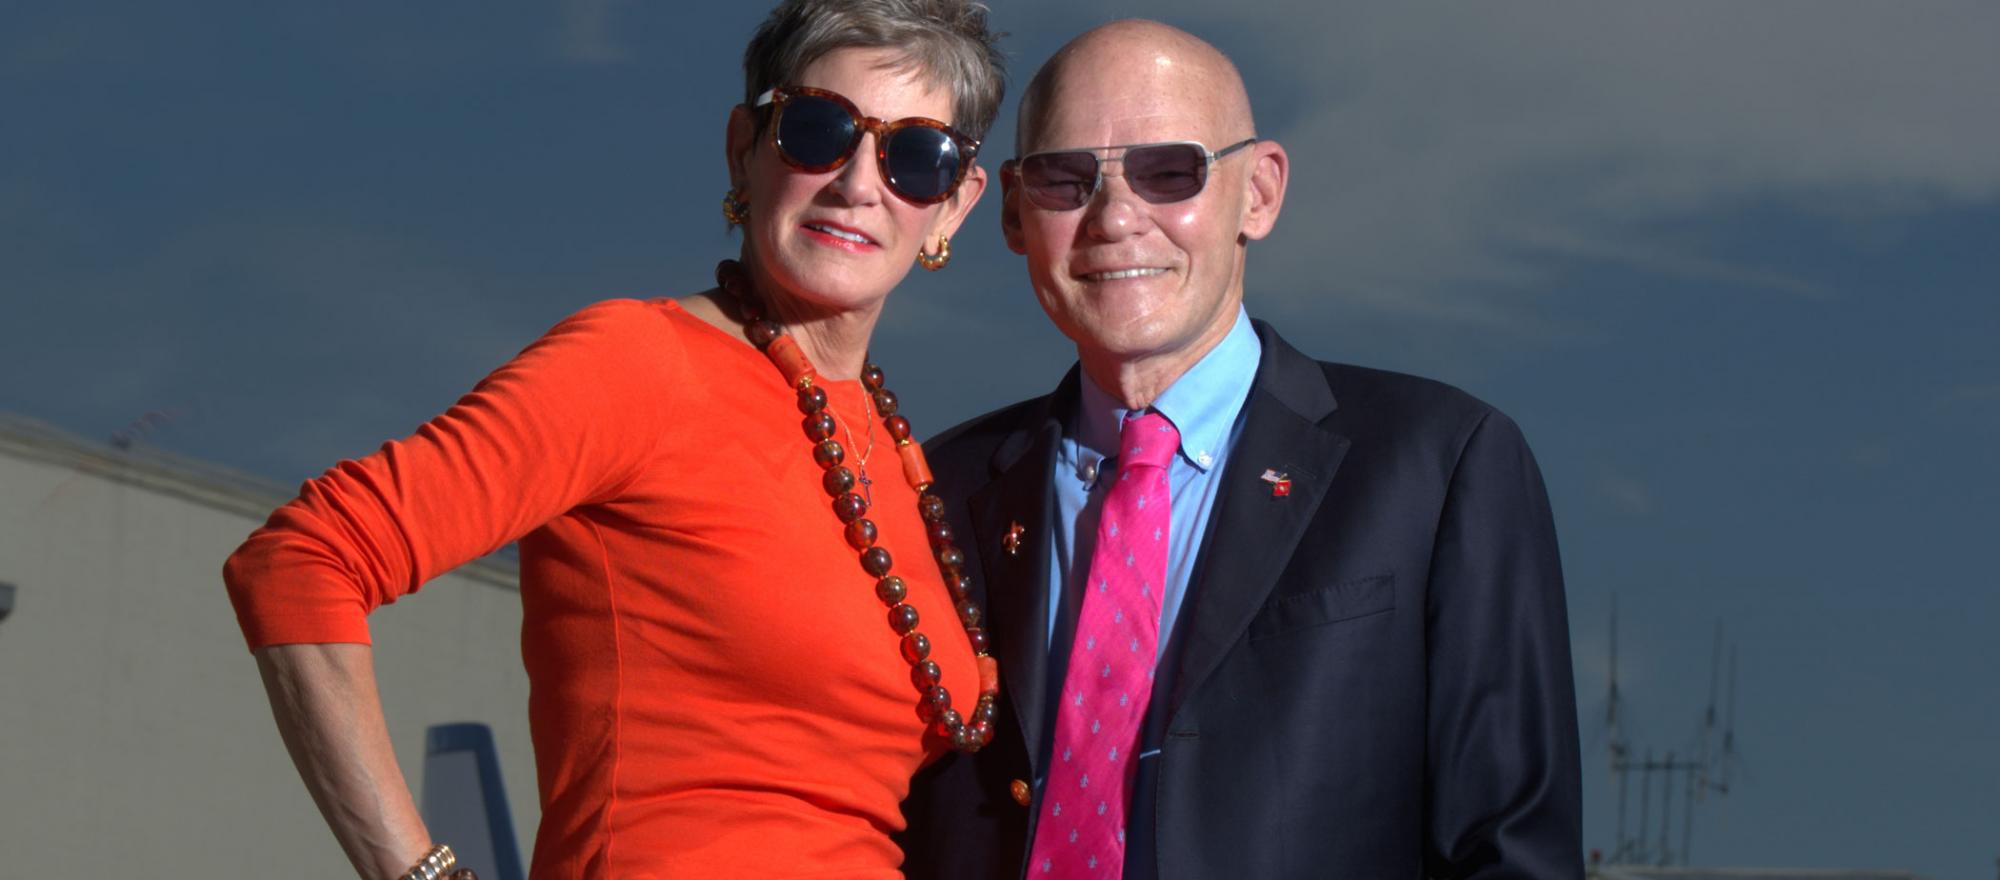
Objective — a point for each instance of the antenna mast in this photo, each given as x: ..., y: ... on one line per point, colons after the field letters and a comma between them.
x: 1708, y: 768
x: 1729, y: 727
x: 1620, y: 762
x: 1697, y: 779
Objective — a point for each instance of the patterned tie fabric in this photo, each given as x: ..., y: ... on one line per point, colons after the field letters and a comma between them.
x: 1080, y: 831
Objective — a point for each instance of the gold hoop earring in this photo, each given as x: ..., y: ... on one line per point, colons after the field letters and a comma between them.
x: 936, y: 261
x: 734, y: 209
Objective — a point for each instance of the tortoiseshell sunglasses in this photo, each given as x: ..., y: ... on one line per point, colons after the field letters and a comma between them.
x: 815, y: 130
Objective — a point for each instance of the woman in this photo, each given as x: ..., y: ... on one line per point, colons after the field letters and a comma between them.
x: 715, y: 688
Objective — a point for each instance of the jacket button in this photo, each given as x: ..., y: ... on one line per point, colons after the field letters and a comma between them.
x: 1022, y: 794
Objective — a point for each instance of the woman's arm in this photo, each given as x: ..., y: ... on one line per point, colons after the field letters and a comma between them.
x: 568, y: 422
x: 330, y: 714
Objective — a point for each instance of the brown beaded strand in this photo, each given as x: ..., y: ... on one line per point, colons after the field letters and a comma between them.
x: 966, y: 734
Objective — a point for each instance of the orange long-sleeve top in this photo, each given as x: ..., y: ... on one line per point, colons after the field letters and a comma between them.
x: 715, y: 690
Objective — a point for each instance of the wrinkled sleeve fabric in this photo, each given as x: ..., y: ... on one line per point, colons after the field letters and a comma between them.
x: 567, y: 422
x: 1502, y: 787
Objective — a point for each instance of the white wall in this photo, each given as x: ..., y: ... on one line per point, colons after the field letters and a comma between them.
x: 135, y: 739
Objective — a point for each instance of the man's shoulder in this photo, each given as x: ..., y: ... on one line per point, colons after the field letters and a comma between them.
x: 1359, y: 391
x: 1414, y: 415
x: 1400, y: 396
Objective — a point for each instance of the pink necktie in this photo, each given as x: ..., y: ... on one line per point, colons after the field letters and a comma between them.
x: 1080, y: 832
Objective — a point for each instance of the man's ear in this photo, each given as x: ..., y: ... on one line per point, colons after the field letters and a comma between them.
x: 1269, y: 170
x: 740, y: 135
x: 1010, y: 209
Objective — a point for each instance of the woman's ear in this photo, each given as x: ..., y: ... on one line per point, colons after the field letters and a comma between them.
x: 739, y: 138
x: 960, y: 204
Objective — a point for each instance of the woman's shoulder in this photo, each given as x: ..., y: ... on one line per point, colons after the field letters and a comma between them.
x: 652, y: 326
x: 600, y: 348
x: 620, y: 318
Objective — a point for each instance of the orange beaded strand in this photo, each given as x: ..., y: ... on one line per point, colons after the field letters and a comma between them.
x: 966, y: 733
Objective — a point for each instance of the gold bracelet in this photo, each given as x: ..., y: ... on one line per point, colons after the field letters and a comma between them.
x: 434, y: 865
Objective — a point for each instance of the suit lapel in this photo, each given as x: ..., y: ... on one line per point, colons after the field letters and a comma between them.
x: 1017, y: 585
x: 1252, y: 531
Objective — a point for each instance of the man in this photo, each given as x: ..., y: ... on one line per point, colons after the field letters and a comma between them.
x: 1257, y: 616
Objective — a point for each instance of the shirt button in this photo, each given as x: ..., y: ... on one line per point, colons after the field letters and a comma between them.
x: 1022, y: 794
x: 1205, y: 459
x: 1089, y: 472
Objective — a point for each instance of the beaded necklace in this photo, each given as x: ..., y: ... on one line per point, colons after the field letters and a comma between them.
x: 966, y: 733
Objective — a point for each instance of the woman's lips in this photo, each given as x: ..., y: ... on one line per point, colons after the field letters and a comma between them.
x: 839, y: 236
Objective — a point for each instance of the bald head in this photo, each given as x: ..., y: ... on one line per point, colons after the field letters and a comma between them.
x: 1142, y: 65
x: 1145, y: 272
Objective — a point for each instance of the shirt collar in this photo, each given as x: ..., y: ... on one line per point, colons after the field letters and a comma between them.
x: 1202, y: 404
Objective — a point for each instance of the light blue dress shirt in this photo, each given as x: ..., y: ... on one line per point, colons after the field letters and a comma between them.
x: 1206, y: 405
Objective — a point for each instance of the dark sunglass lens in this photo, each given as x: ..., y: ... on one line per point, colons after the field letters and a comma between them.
x: 815, y: 132
x: 923, y: 162
x: 1060, y: 181
x: 1166, y: 172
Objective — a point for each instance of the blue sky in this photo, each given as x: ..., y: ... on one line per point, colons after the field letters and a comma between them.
x: 1732, y: 266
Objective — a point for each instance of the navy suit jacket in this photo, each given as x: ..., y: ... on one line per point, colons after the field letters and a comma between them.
x: 1371, y: 676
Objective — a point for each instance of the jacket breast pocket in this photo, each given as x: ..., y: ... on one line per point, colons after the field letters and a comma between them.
x: 1346, y: 600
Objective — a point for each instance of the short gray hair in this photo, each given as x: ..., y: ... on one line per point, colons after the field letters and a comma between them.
x: 946, y: 41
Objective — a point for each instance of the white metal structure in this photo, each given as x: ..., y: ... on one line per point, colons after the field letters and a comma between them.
x: 135, y: 739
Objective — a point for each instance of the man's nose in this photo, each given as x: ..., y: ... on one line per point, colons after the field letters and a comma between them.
x: 1114, y: 211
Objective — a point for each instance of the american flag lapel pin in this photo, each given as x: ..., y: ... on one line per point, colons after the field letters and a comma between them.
x: 1281, y: 483
x: 1012, y: 543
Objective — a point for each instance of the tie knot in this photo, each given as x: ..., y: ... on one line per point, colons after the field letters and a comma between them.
x: 1147, y: 441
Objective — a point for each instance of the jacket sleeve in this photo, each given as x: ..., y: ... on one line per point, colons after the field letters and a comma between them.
x: 568, y: 421
x: 1502, y: 789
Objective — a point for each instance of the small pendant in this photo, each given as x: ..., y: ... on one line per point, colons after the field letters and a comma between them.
x: 867, y: 487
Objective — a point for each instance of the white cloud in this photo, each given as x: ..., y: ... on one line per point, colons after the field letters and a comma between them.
x: 589, y: 32
x: 1973, y: 392
x: 1638, y: 253
x: 1973, y: 396
x: 1627, y: 494
x: 68, y: 39
x: 1438, y: 148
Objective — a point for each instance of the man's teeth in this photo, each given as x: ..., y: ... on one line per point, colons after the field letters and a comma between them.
x: 841, y: 233
x: 1123, y: 274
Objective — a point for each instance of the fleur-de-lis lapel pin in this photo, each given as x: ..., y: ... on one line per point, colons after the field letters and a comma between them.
x: 1281, y: 483
x: 1012, y: 543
